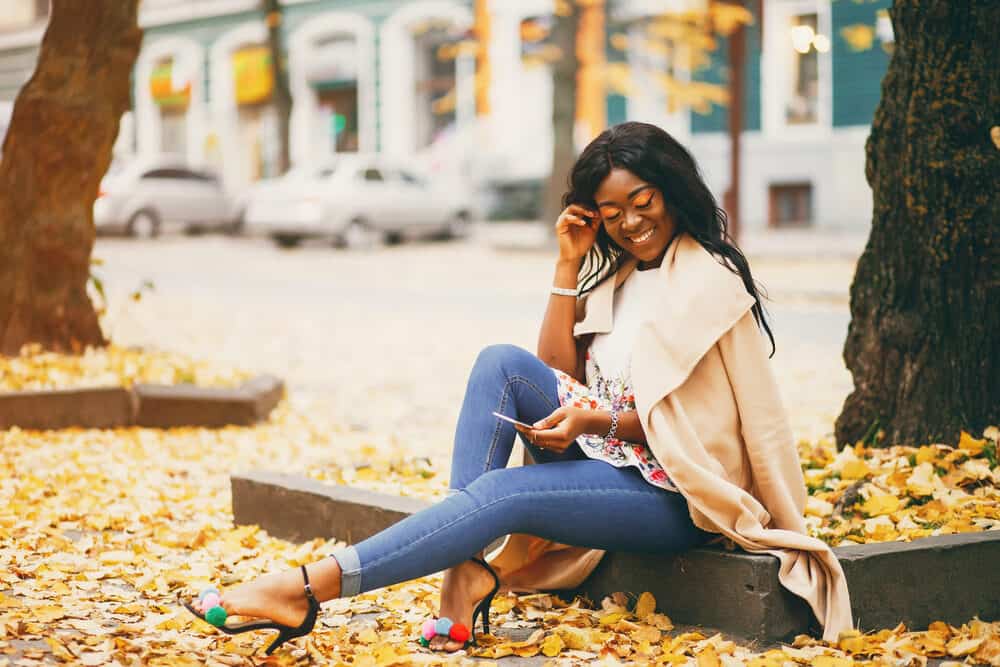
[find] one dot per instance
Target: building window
(803, 99)
(790, 205)
(435, 49)
(797, 69)
(333, 75)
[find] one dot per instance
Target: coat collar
(599, 316)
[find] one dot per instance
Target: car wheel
(287, 240)
(237, 226)
(144, 225)
(360, 235)
(458, 227)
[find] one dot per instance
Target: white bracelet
(563, 291)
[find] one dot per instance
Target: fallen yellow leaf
(645, 606)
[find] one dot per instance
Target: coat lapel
(599, 317)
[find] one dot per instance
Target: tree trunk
(564, 73)
(282, 93)
(58, 148)
(924, 340)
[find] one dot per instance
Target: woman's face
(634, 215)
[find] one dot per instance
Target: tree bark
(564, 85)
(924, 339)
(274, 17)
(58, 147)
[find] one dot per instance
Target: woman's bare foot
(280, 597)
(464, 587)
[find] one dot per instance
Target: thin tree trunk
(282, 93)
(57, 149)
(564, 84)
(924, 340)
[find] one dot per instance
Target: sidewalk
(798, 265)
(784, 244)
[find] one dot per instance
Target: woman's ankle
(325, 579)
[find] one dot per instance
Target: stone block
(950, 578)
(167, 406)
(104, 407)
(947, 578)
(709, 586)
(298, 508)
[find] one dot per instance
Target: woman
(650, 360)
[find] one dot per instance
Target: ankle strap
(308, 587)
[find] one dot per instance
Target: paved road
(384, 339)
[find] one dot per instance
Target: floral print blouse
(602, 394)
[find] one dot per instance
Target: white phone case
(512, 421)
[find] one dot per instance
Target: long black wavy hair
(657, 158)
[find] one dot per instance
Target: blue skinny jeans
(568, 498)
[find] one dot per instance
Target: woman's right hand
(576, 230)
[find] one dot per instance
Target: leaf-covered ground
(101, 529)
(112, 366)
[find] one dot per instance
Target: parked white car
(144, 195)
(357, 201)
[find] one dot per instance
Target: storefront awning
(161, 86)
(253, 77)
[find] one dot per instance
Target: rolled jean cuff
(350, 570)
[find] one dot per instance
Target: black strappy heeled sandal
(483, 608)
(285, 632)
(445, 627)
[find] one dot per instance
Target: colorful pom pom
(206, 591)
(216, 616)
(427, 631)
(210, 600)
(459, 633)
(424, 642)
(443, 626)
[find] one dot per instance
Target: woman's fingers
(552, 438)
(581, 211)
(548, 422)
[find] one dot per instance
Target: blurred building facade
(400, 77)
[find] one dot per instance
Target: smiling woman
(635, 216)
(653, 415)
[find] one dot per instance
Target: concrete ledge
(104, 407)
(166, 406)
(947, 578)
(731, 590)
(155, 406)
(950, 578)
(298, 509)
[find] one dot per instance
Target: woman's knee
(494, 490)
(503, 359)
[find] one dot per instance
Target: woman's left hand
(560, 429)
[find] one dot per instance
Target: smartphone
(512, 421)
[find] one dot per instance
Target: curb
(146, 405)
(734, 591)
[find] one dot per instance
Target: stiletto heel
(285, 632)
(483, 608)
(278, 641)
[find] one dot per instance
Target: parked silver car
(357, 201)
(143, 196)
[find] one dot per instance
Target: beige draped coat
(713, 417)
